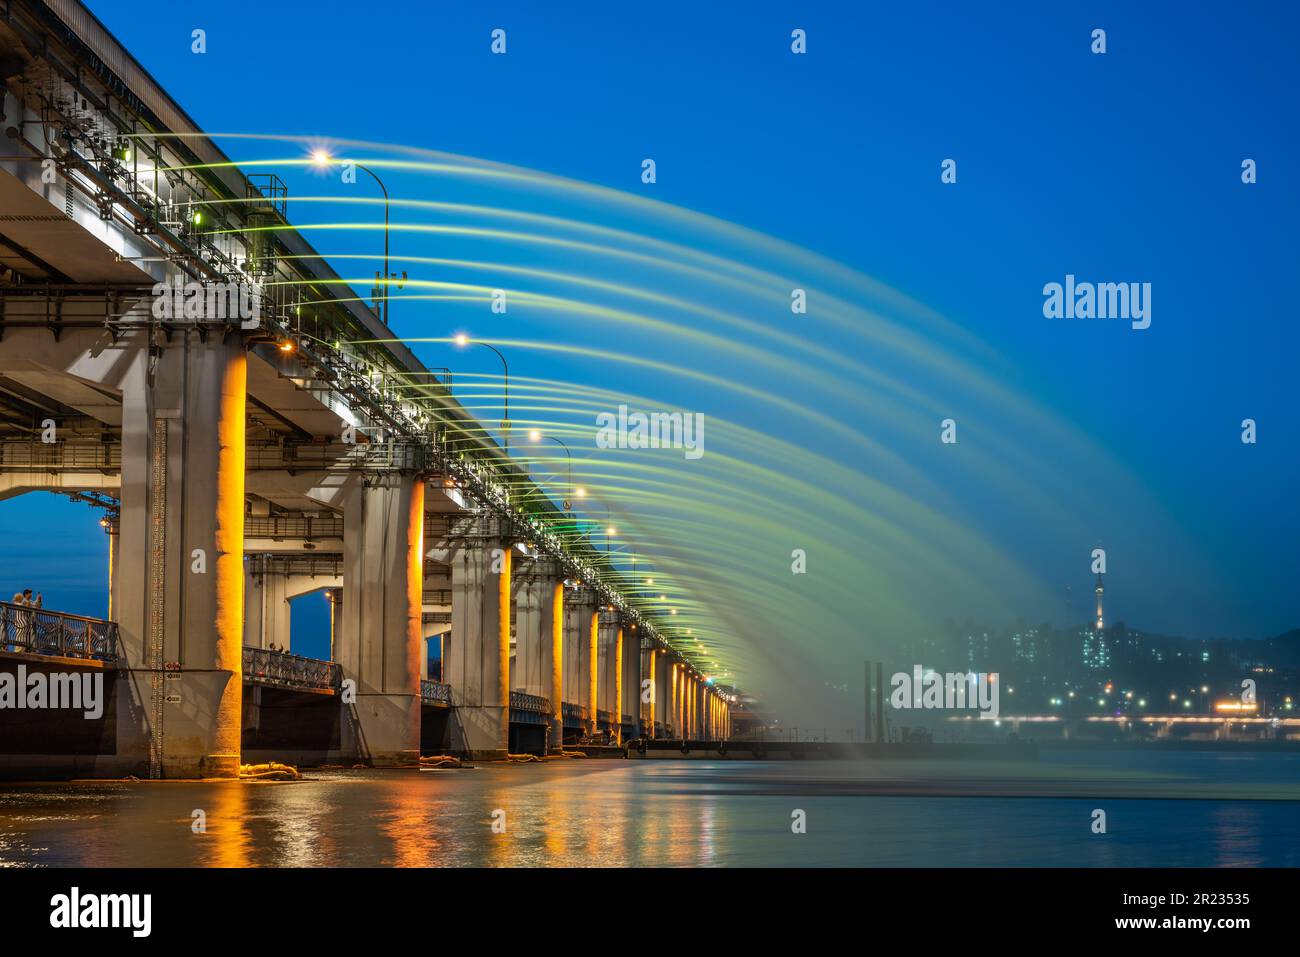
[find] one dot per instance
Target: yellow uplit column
(223, 760)
(592, 671)
(653, 693)
(503, 643)
(618, 687)
(690, 706)
(677, 699)
(557, 666)
(671, 717)
(695, 706)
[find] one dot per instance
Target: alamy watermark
(1103, 300)
(651, 430)
(952, 691)
(75, 909)
(207, 301)
(75, 691)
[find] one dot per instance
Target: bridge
(174, 351)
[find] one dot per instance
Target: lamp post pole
(322, 159)
(387, 275)
(568, 504)
(464, 340)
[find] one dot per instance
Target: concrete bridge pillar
(578, 611)
(696, 700)
(606, 662)
(622, 689)
(178, 581)
(580, 650)
(478, 659)
(531, 633)
(266, 608)
(114, 558)
(688, 702)
(650, 707)
(336, 620)
(674, 718)
(663, 689)
(553, 659)
(539, 622)
(631, 686)
(379, 644)
(692, 699)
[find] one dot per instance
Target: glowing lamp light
(320, 158)
(534, 435)
(288, 345)
(462, 339)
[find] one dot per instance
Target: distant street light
(535, 436)
(463, 340)
(321, 160)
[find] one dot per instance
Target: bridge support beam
(478, 661)
(650, 707)
(578, 613)
(266, 610)
(631, 682)
(379, 644)
(555, 664)
(606, 668)
(593, 671)
(179, 578)
(527, 673)
(620, 671)
(539, 603)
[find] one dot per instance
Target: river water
(1162, 809)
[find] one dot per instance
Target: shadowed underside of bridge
(249, 456)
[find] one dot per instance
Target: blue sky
(1122, 167)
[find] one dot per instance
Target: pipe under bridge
(173, 350)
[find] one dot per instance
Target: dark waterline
(1162, 810)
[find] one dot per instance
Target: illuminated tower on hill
(1101, 590)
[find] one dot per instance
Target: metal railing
(291, 671)
(43, 632)
(520, 701)
(435, 692)
(576, 712)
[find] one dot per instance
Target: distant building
(1096, 649)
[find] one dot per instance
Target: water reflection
(668, 813)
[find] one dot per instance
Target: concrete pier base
(379, 647)
(478, 661)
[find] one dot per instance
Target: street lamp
(322, 159)
(535, 436)
(463, 340)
